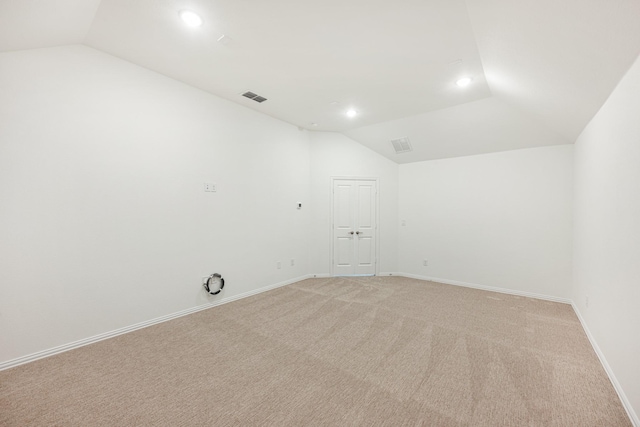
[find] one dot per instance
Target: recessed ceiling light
(464, 81)
(352, 113)
(190, 18)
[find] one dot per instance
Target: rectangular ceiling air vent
(401, 145)
(254, 96)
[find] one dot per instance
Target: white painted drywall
(104, 222)
(607, 232)
(501, 220)
(334, 154)
(479, 127)
(103, 219)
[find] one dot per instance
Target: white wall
(103, 219)
(104, 222)
(334, 154)
(498, 220)
(607, 232)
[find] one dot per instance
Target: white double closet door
(354, 227)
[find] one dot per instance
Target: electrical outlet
(293, 262)
(209, 187)
(278, 265)
(425, 262)
(404, 222)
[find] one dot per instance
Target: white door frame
(377, 211)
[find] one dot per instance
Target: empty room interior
(241, 212)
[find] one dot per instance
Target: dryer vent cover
(214, 284)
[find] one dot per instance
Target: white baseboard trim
(487, 288)
(86, 341)
(614, 381)
(80, 343)
(319, 276)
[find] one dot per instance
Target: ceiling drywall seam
(554, 62)
(93, 19)
(475, 39)
(533, 116)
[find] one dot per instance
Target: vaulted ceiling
(540, 69)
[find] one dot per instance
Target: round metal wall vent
(214, 284)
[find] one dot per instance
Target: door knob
(357, 232)
(351, 232)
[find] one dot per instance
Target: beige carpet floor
(381, 351)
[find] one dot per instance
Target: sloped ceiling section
(550, 66)
(559, 60)
(312, 60)
(540, 69)
(478, 127)
(28, 24)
